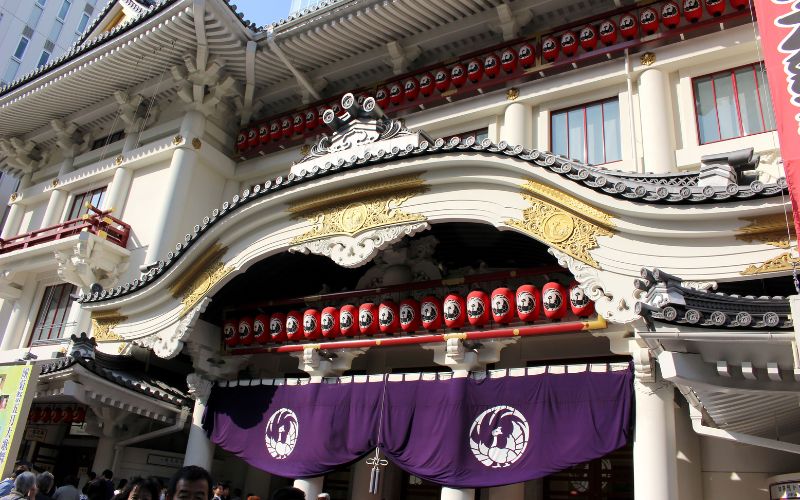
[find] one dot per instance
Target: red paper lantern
(478, 308)
(261, 329)
(508, 60)
(474, 70)
(550, 49)
(47, 415)
(411, 89)
(334, 106)
(454, 311)
(368, 318)
(79, 415)
(529, 304)
(715, 7)
(294, 325)
(275, 130)
(246, 330)
(431, 313)
(441, 79)
(579, 302)
(35, 414)
(298, 123)
(263, 133)
(628, 26)
(648, 19)
(670, 15)
(395, 93)
(348, 320)
(426, 85)
(458, 75)
(554, 300)
(277, 327)
(329, 323)
(588, 38)
(69, 414)
(230, 331)
(252, 137)
(569, 43)
(608, 32)
(382, 97)
(491, 65)
(527, 55)
(503, 305)
(312, 324)
(410, 320)
(286, 127)
(388, 317)
(739, 4)
(692, 10)
(360, 99)
(241, 140)
(58, 415)
(311, 119)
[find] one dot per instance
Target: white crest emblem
(281, 433)
(499, 436)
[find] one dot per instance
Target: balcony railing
(98, 222)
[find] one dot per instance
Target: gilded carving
(769, 229)
(783, 262)
(570, 203)
(202, 275)
(648, 58)
(103, 324)
(197, 143)
(512, 94)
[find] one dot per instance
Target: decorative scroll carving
(769, 229)
(89, 261)
(783, 262)
(201, 277)
(103, 324)
(168, 343)
(199, 387)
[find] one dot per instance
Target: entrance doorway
(606, 478)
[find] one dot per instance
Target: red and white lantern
(508, 60)
(298, 123)
(411, 89)
(608, 32)
(396, 93)
(527, 55)
(329, 323)
(246, 330)
(454, 310)
(368, 318)
(69, 414)
(261, 329)
(388, 317)
(588, 38)
(692, 10)
(410, 320)
(275, 130)
(441, 79)
(252, 137)
(503, 305)
(230, 332)
(569, 43)
(529, 303)
(79, 415)
(554, 300)
(491, 65)
(312, 324)
(715, 7)
(287, 127)
(739, 4)
(426, 85)
(263, 133)
(478, 308)
(431, 313)
(382, 97)
(550, 49)
(58, 415)
(458, 75)
(648, 19)
(241, 140)
(35, 414)
(474, 70)
(294, 325)
(348, 320)
(579, 302)
(277, 327)
(628, 26)
(311, 119)
(670, 15)
(47, 414)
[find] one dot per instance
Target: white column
(104, 455)
(517, 125)
(58, 197)
(654, 465)
(16, 211)
(118, 191)
(655, 115)
(78, 320)
(457, 494)
(199, 449)
(18, 319)
(311, 486)
(514, 491)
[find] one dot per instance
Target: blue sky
(263, 12)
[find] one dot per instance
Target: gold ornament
(13, 197)
(648, 58)
(103, 324)
(768, 229)
(201, 276)
(54, 183)
(118, 160)
(177, 139)
(512, 94)
(196, 143)
(783, 262)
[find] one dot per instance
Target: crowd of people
(189, 483)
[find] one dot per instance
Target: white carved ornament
(168, 342)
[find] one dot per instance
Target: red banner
(779, 26)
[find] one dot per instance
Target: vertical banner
(17, 387)
(778, 25)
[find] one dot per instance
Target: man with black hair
(288, 493)
(190, 483)
(69, 490)
(102, 488)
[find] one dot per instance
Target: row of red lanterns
(57, 414)
(431, 313)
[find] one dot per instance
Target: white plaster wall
(689, 456)
(32, 220)
(205, 191)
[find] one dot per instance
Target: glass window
(733, 103)
(79, 203)
(11, 71)
(83, 23)
(41, 2)
(55, 32)
(62, 13)
(21, 46)
(588, 133)
(53, 312)
(479, 135)
(43, 58)
(36, 14)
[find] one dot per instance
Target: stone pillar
(104, 455)
(514, 491)
(311, 486)
(655, 111)
(457, 494)
(16, 211)
(18, 318)
(517, 125)
(199, 449)
(654, 465)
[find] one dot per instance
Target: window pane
(97, 198)
(749, 108)
(56, 31)
(611, 129)
(83, 23)
(53, 312)
(43, 58)
(33, 19)
(706, 113)
(64, 9)
(41, 2)
(481, 135)
(23, 44)
(576, 134)
(11, 71)
(726, 107)
(594, 133)
(766, 99)
(558, 134)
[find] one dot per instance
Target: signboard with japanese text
(17, 387)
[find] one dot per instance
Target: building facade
(477, 249)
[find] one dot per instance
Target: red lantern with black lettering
(263, 133)
(648, 19)
(58, 415)
(79, 415)
(739, 4)
(608, 32)
(312, 328)
(491, 65)
(294, 325)
(348, 320)
(382, 97)
(527, 55)
(246, 330)
(715, 7)
(287, 127)
(454, 310)
(411, 89)
(508, 60)
(275, 130)
(388, 317)
(670, 15)
(503, 305)
(569, 43)
(410, 320)
(692, 10)
(431, 313)
(241, 140)
(529, 303)
(550, 49)
(426, 85)
(588, 38)
(579, 302)
(47, 414)
(230, 332)
(311, 119)
(628, 26)
(277, 327)
(395, 93)
(298, 123)
(252, 137)
(474, 70)
(261, 329)
(458, 75)
(478, 308)
(441, 79)
(329, 323)
(35, 415)
(368, 318)
(69, 414)
(554, 300)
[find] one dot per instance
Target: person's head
(219, 489)
(141, 489)
(25, 483)
(226, 490)
(288, 493)
(92, 475)
(190, 483)
(44, 482)
(108, 474)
